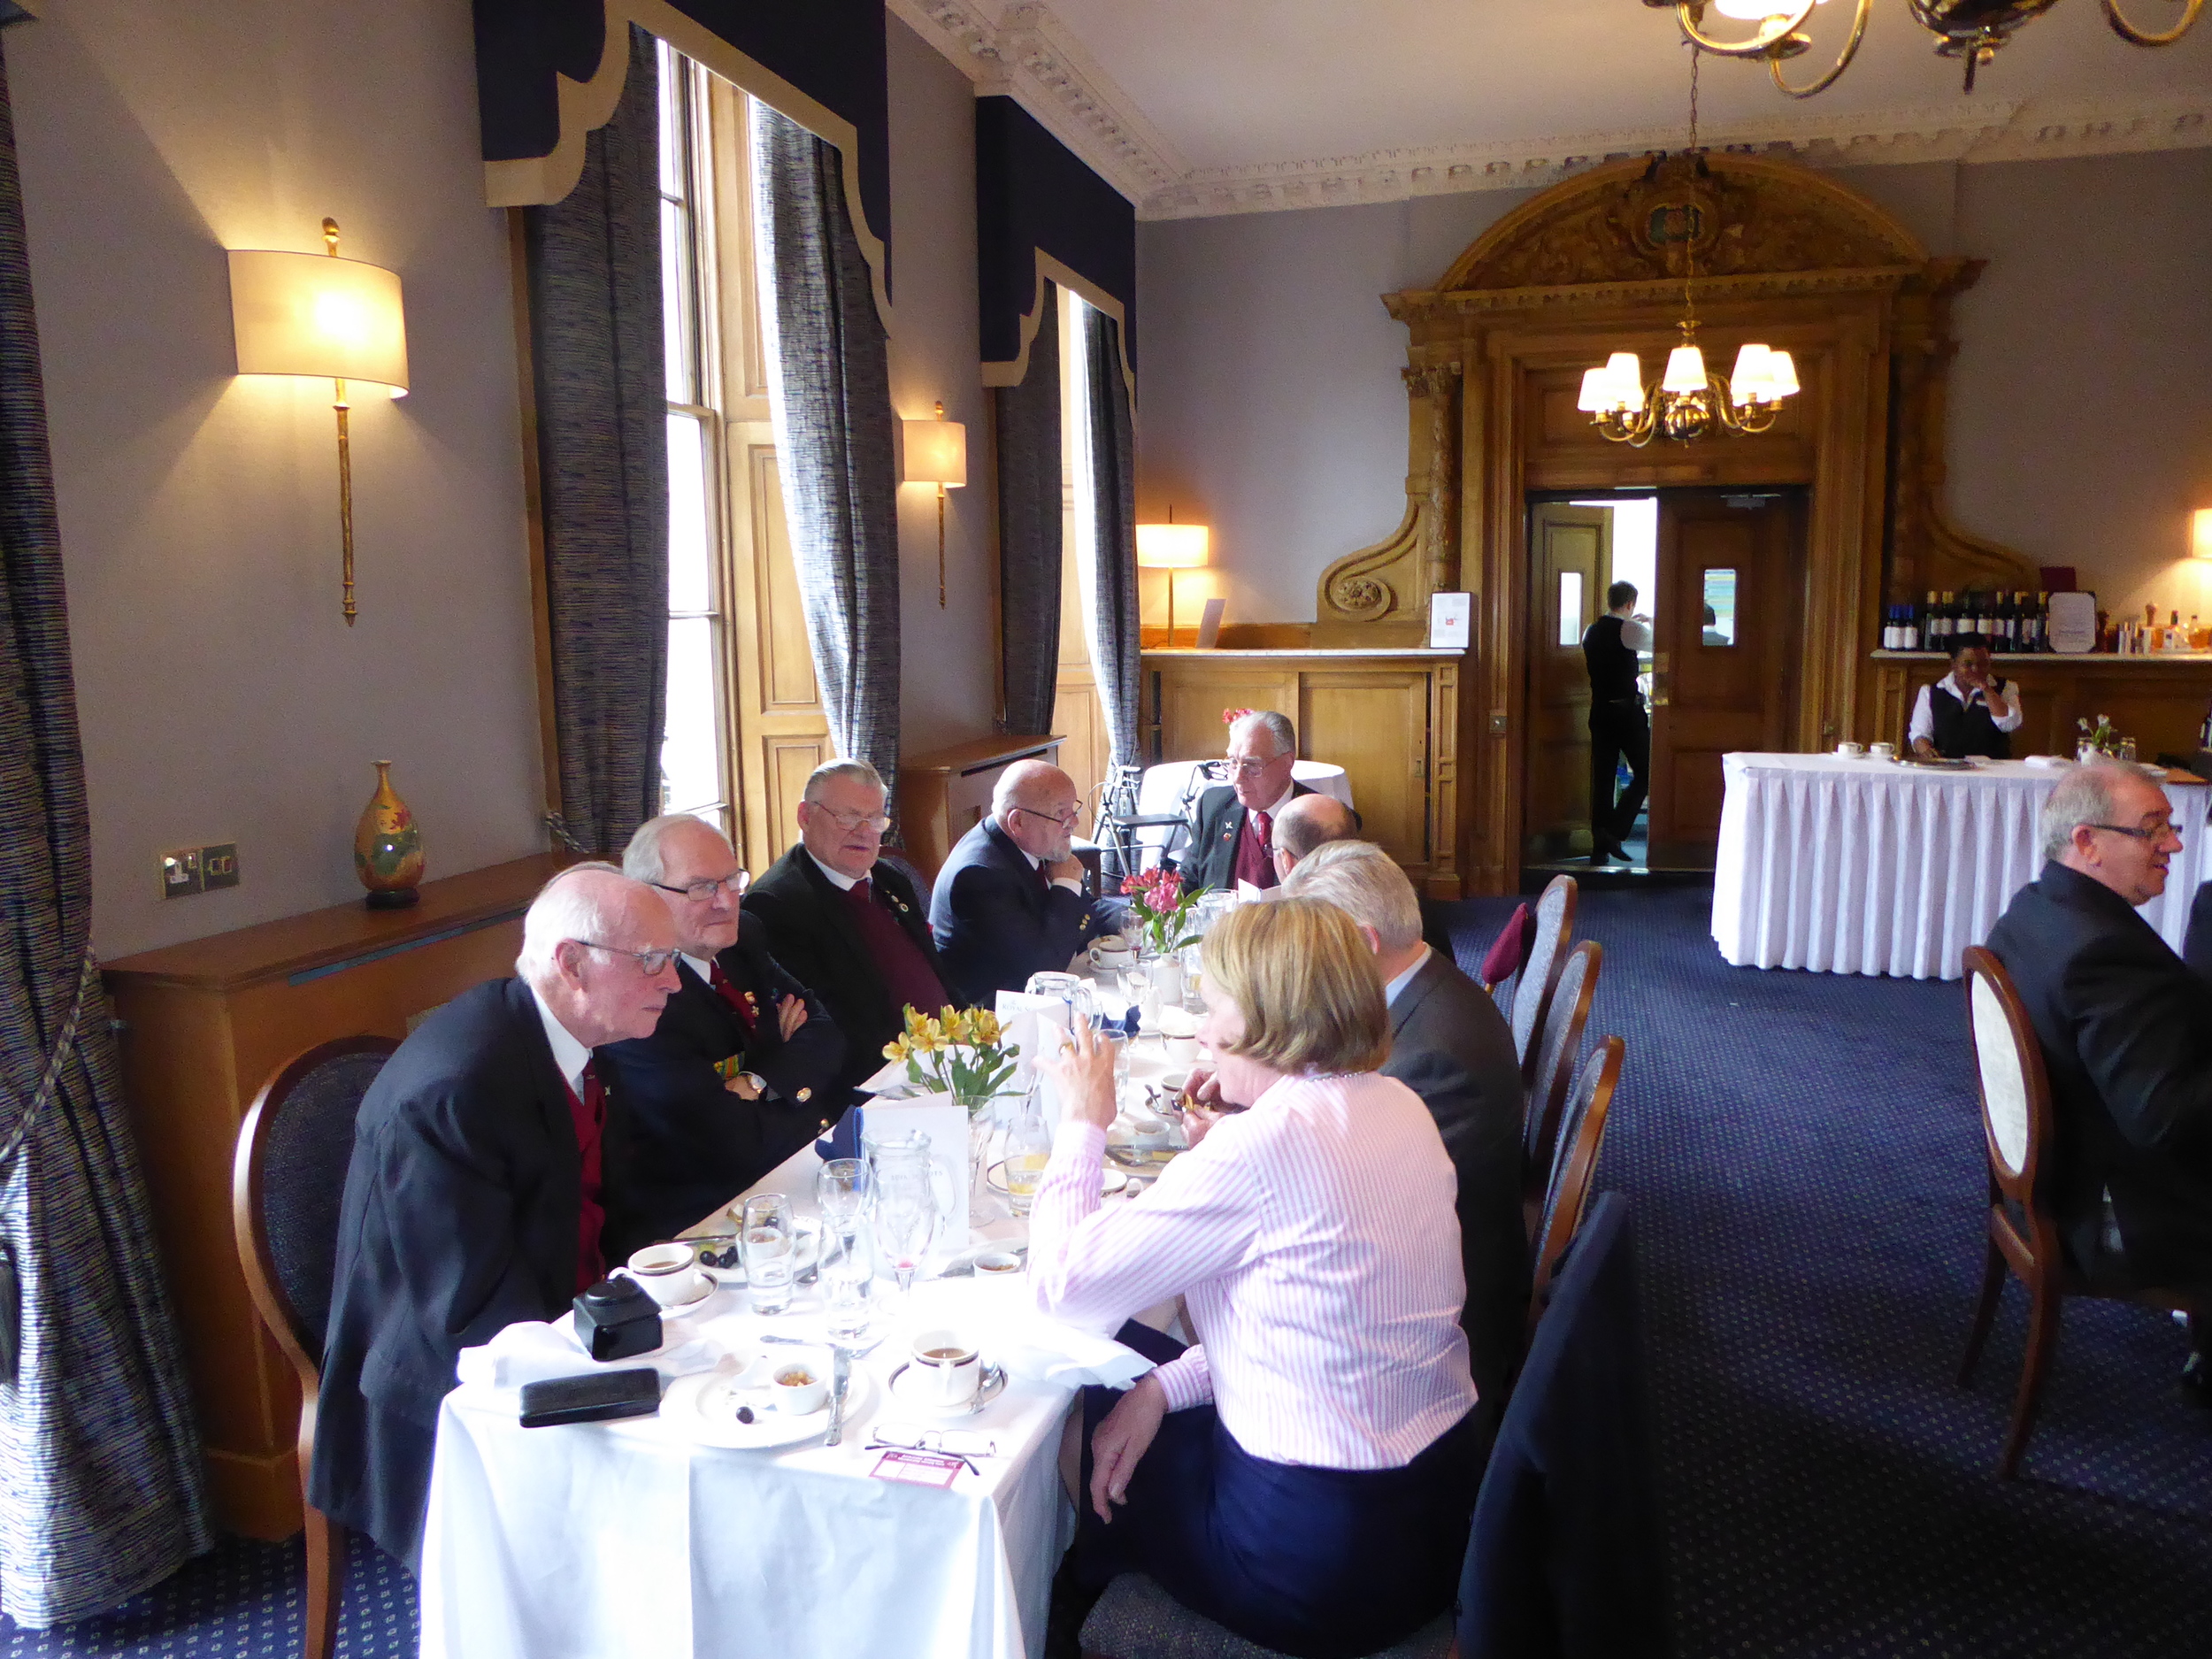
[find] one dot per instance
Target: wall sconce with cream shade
(1172, 547)
(936, 453)
(2200, 533)
(318, 317)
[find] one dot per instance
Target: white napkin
(537, 1351)
(1036, 1348)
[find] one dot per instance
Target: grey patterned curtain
(1114, 503)
(1027, 419)
(831, 396)
(101, 1489)
(594, 277)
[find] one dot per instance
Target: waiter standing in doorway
(1618, 725)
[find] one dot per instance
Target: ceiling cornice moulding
(1025, 51)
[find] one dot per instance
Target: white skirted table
(1869, 866)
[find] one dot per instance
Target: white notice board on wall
(1451, 620)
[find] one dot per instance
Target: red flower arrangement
(1161, 907)
(1229, 717)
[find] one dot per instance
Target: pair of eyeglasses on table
(965, 1444)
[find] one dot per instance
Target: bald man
(1010, 900)
(1308, 822)
(474, 1198)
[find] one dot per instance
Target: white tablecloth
(1867, 866)
(1163, 787)
(624, 1537)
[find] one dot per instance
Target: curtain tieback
(88, 976)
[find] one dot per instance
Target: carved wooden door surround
(1495, 353)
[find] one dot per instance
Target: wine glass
(841, 1192)
(904, 1199)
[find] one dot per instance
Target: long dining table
(637, 1537)
(1857, 866)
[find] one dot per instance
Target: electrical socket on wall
(190, 870)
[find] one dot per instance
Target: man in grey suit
(1451, 1047)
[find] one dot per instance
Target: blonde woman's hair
(1307, 985)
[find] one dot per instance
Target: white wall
(221, 695)
(2081, 414)
(948, 675)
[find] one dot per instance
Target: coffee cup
(798, 1386)
(1111, 951)
(946, 1368)
(1850, 750)
(669, 1273)
(1883, 751)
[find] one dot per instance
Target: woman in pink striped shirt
(1303, 1473)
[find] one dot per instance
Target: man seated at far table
(1010, 900)
(741, 1071)
(2126, 1033)
(1231, 828)
(845, 924)
(474, 1198)
(1969, 711)
(1451, 1046)
(1309, 822)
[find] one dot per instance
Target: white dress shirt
(2005, 712)
(1391, 990)
(1635, 632)
(1315, 1242)
(838, 879)
(1035, 863)
(570, 1056)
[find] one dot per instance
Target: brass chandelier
(1970, 30)
(1689, 402)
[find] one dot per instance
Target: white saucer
(994, 1385)
(1110, 1180)
(703, 1407)
(676, 1309)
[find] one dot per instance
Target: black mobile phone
(597, 1398)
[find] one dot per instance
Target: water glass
(847, 1268)
(841, 1192)
(769, 1245)
(1028, 1150)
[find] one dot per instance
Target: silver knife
(841, 1376)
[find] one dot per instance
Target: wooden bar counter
(2159, 700)
(205, 1023)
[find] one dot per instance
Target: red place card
(922, 1469)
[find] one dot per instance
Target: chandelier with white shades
(1970, 30)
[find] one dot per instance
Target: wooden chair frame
(1551, 978)
(2028, 1247)
(1547, 1096)
(1574, 1175)
(326, 1539)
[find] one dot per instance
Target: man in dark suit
(475, 1197)
(1010, 900)
(845, 924)
(1451, 1047)
(2126, 1033)
(1232, 829)
(743, 1069)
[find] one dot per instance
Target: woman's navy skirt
(1319, 1564)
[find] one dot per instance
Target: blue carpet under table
(1805, 1157)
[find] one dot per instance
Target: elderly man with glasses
(1232, 831)
(476, 1196)
(2126, 1033)
(741, 1071)
(1010, 900)
(845, 922)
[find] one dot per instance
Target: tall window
(693, 764)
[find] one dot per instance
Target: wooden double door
(1724, 599)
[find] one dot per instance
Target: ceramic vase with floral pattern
(388, 847)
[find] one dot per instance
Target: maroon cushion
(1509, 952)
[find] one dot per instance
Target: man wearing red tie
(1232, 835)
(1010, 900)
(741, 1071)
(478, 1186)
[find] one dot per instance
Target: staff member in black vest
(1969, 711)
(1619, 727)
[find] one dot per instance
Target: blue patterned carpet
(1805, 1161)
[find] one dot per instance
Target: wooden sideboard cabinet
(205, 1023)
(1390, 718)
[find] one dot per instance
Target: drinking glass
(847, 1268)
(841, 1192)
(770, 1244)
(1028, 1150)
(904, 1202)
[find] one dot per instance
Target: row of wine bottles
(2010, 622)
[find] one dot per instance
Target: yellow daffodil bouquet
(961, 1052)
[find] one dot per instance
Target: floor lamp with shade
(1171, 547)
